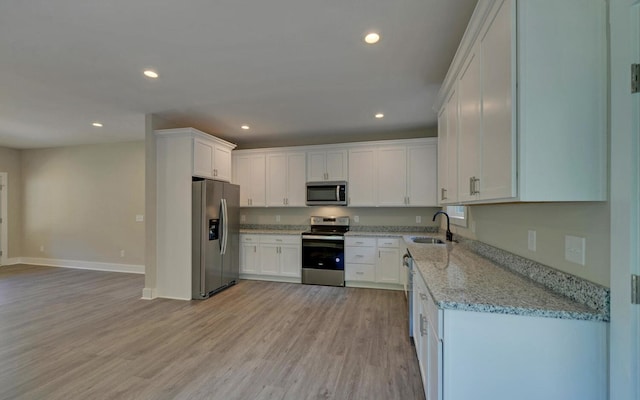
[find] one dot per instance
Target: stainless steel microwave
(332, 193)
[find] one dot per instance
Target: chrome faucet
(449, 234)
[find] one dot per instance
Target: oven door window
(322, 254)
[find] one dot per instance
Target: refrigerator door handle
(203, 202)
(225, 226)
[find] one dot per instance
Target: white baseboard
(76, 264)
(12, 261)
(149, 293)
(270, 278)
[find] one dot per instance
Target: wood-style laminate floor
(74, 334)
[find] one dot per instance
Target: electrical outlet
(277, 218)
(139, 218)
(532, 240)
(121, 253)
(243, 218)
(418, 219)
(356, 218)
(574, 249)
(41, 248)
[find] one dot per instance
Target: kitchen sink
(426, 240)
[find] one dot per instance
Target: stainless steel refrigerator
(215, 236)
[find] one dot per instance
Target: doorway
(624, 369)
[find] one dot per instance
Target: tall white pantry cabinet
(181, 155)
(522, 111)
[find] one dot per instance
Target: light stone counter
(271, 232)
(459, 279)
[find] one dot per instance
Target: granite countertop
(244, 231)
(459, 279)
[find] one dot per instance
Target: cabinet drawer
(359, 241)
(388, 242)
(360, 272)
(360, 255)
(281, 239)
(249, 238)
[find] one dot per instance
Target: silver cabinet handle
(476, 185)
(423, 330)
(471, 185)
(443, 194)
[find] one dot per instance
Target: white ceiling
(293, 69)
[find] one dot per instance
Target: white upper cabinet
(249, 172)
(393, 173)
(407, 174)
(469, 123)
(362, 176)
(211, 156)
(392, 176)
(422, 175)
(448, 151)
(286, 179)
(327, 165)
(530, 83)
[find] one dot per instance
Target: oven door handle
(337, 238)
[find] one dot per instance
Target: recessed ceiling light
(245, 127)
(150, 73)
(372, 38)
(97, 124)
(379, 115)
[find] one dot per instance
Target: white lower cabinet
(480, 355)
(249, 260)
(271, 257)
(371, 262)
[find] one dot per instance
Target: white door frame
(624, 349)
(4, 232)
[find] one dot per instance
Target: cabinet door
(388, 265)
(269, 259)
(296, 179)
(434, 365)
(451, 150)
(469, 98)
(250, 175)
(290, 261)
(392, 176)
(442, 156)
(362, 177)
(422, 175)
(316, 166)
(276, 179)
(249, 259)
(242, 174)
(336, 165)
(498, 131)
(222, 163)
(203, 153)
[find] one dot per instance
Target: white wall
(80, 203)
(10, 163)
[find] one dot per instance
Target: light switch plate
(243, 218)
(418, 219)
(574, 249)
(277, 218)
(356, 218)
(532, 240)
(139, 218)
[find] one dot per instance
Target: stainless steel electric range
(323, 251)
